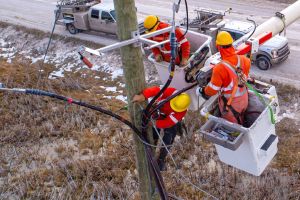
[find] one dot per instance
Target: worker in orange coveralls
(228, 78)
(152, 23)
(168, 118)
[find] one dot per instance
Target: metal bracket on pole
(136, 40)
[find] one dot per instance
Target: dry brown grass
(52, 150)
(99, 163)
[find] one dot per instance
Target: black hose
(187, 18)
(83, 104)
(253, 29)
(153, 164)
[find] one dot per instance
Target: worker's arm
(156, 52)
(184, 44)
(247, 65)
(151, 92)
(147, 93)
(170, 120)
(215, 83)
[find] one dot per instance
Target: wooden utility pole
(135, 82)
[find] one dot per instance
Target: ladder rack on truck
(77, 2)
(73, 6)
(205, 19)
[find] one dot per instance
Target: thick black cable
(152, 163)
(187, 18)
(173, 44)
(83, 104)
(253, 31)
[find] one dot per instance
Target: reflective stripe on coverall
(223, 81)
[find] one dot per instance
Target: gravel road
(39, 14)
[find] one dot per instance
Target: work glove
(251, 80)
(184, 62)
(158, 58)
(201, 92)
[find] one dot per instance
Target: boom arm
(264, 32)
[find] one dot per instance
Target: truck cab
(272, 52)
(102, 17)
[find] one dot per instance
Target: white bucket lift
(197, 41)
(254, 148)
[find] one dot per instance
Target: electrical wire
(253, 31)
(57, 14)
(187, 18)
(153, 164)
(173, 44)
(176, 166)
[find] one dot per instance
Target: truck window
(95, 14)
(106, 16)
(235, 35)
(113, 14)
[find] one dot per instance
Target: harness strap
(235, 113)
(238, 82)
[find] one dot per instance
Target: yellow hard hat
(224, 38)
(181, 102)
(151, 23)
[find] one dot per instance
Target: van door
(94, 19)
(108, 22)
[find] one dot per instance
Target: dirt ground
(53, 150)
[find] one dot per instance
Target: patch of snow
(56, 74)
(111, 89)
(287, 114)
(96, 68)
(61, 54)
(116, 73)
(122, 98)
(34, 59)
(122, 85)
(108, 97)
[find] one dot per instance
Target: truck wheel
(263, 63)
(72, 29)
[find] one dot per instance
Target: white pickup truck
(274, 51)
(87, 16)
(210, 22)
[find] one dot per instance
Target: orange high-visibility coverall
(224, 79)
(165, 51)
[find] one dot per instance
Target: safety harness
(237, 85)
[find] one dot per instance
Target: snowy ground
(65, 58)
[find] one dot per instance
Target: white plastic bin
(259, 144)
(197, 41)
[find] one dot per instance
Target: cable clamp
(282, 17)
(136, 35)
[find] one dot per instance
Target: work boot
(161, 164)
